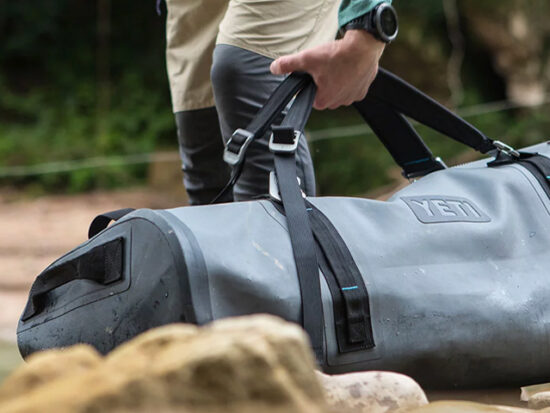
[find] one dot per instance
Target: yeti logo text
(433, 208)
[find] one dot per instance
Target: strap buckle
(506, 149)
(284, 139)
(236, 146)
(440, 162)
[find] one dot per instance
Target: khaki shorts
(271, 28)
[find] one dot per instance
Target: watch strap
(365, 22)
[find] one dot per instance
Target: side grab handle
(102, 264)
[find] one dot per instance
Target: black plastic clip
(236, 147)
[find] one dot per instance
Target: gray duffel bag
(446, 281)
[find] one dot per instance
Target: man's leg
(251, 35)
(191, 30)
(201, 151)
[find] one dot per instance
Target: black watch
(381, 22)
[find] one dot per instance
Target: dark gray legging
(242, 82)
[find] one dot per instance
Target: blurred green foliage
(51, 87)
(72, 89)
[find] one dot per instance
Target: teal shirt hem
(352, 9)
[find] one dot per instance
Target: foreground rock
(469, 407)
(46, 367)
(238, 365)
(537, 396)
(249, 364)
(372, 392)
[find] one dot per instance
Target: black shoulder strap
(537, 164)
(411, 102)
(388, 99)
(399, 137)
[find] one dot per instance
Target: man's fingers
(319, 105)
(283, 65)
(288, 64)
(320, 102)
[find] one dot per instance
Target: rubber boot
(201, 150)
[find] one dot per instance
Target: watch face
(388, 22)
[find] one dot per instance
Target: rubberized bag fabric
(453, 271)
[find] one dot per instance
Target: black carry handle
(400, 138)
(388, 99)
(301, 108)
(102, 264)
(411, 102)
(277, 102)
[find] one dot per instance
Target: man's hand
(343, 70)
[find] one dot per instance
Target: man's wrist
(361, 39)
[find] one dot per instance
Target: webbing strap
(340, 283)
(278, 101)
(399, 137)
(102, 264)
(301, 237)
(410, 101)
(537, 164)
(541, 164)
(354, 331)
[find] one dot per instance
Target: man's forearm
(352, 9)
